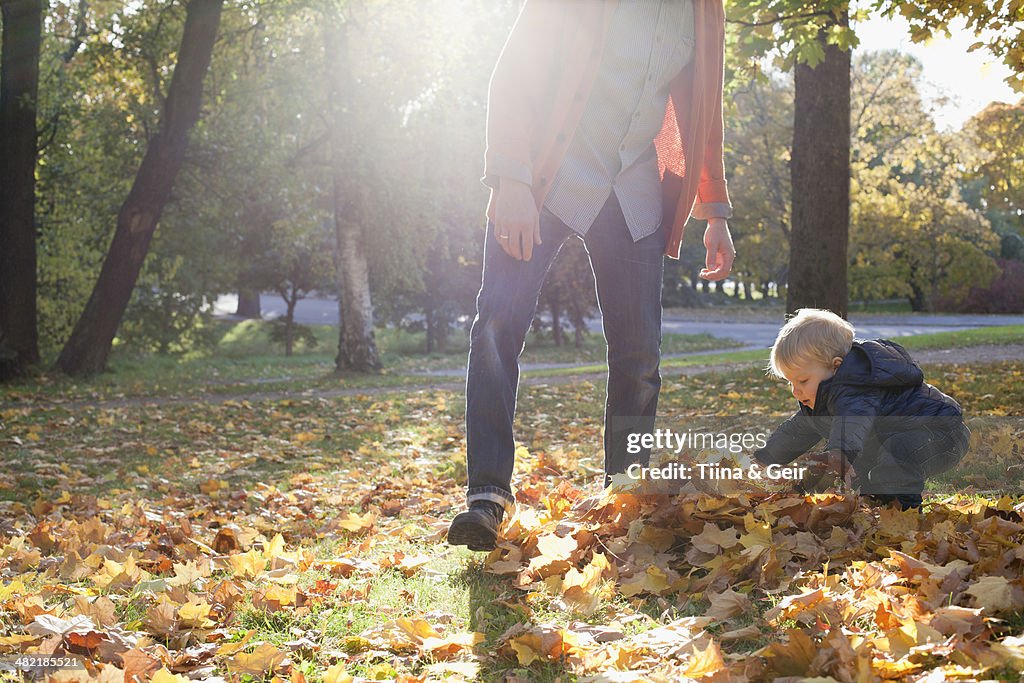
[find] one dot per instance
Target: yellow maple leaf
(705, 662)
(416, 629)
(232, 648)
(451, 646)
(165, 676)
(357, 524)
(653, 580)
(264, 659)
(248, 564)
(195, 613)
(336, 674)
(15, 587)
(275, 548)
(524, 652)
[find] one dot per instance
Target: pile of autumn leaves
(786, 585)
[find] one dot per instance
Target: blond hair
(812, 335)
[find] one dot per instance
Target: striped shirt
(648, 43)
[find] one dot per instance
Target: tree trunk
(19, 87)
(428, 319)
(289, 324)
(357, 349)
(88, 348)
(556, 320)
(820, 171)
(248, 304)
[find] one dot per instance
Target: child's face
(804, 379)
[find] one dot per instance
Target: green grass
(245, 361)
(403, 351)
(1005, 334)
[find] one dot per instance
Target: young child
(868, 399)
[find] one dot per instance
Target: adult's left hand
(721, 252)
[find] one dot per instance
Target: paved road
(751, 333)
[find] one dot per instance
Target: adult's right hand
(516, 220)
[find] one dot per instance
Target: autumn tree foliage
(808, 37)
(87, 349)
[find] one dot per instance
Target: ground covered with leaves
(303, 539)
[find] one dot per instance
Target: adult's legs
(506, 305)
(628, 276)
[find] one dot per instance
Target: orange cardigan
(543, 79)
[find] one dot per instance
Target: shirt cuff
(498, 167)
(704, 211)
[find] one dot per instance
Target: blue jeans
(628, 276)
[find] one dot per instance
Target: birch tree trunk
(357, 348)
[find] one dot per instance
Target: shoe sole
(471, 536)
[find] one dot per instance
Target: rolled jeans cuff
(493, 494)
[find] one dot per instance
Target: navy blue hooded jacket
(877, 392)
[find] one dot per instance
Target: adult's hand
(721, 252)
(516, 221)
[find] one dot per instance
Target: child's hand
(831, 462)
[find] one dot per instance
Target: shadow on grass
(493, 612)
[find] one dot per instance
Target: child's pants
(897, 468)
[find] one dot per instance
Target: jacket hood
(879, 363)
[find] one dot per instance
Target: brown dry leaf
(792, 658)
(416, 629)
(727, 604)
(997, 594)
(804, 607)
(962, 621)
(746, 632)
(138, 663)
(705, 662)
(713, 540)
(162, 618)
(101, 609)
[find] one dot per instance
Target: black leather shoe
(477, 528)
